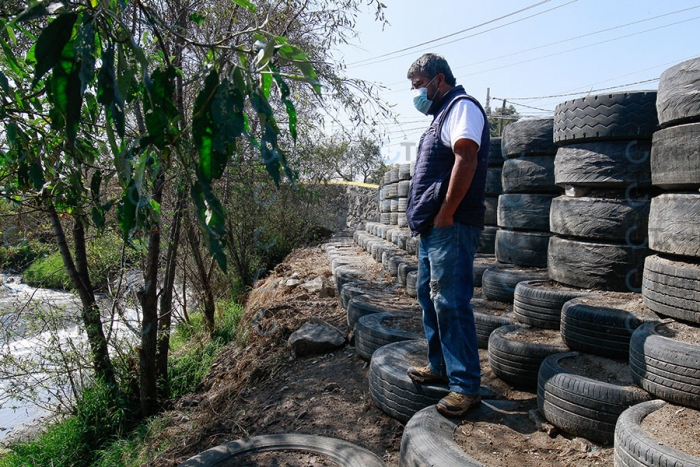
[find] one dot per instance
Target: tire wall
(672, 276)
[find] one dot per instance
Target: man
(446, 207)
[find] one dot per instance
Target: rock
(315, 337)
(292, 282)
(313, 286)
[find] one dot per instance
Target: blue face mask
(420, 98)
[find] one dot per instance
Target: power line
(578, 93)
(450, 35)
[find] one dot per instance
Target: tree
(500, 118)
(124, 106)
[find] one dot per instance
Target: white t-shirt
(464, 120)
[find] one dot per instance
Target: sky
(533, 53)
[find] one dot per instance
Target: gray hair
(431, 65)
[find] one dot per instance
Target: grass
(96, 435)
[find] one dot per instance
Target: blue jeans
(445, 287)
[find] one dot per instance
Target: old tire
(487, 240)
(618, 219)
(616, 116)
(529, 137)
(580, 405)
(525, 249)
(539, 303)
(482, 263)
(602, 266)
(493, 181)
(667, 368)
(675, 157)
(491, 213)
(672, 287)
(529, 174)
(343, 453)
(495, 155)
(674, 224)
(677, 101)
(604, 164)
(601, 326)
(516, 362)
(524, 211)
(486, 321)
(371, 332)
(364, 305)
(498, 282)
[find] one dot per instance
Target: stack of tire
(672, 274)
(494, 188)
(528, 190)
(600, 224)
(384, 199)
(403, 186)
(391, 179)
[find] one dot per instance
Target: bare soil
(280, 459)
(536, 336)
(257, 386)
(680, 332)
(676, 427)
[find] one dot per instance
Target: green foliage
(48, 272)
(18, 257)
(193, 350)
(136, 449)
(500, 118)
(72, 441)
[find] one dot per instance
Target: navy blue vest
(434, 165)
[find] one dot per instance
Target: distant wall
(347, 206)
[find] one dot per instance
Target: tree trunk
(166, 297)
(78, 273)
(203, 278)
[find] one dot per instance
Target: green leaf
(86, 52)
(266, 84)
(65, 93)
(36, 174)
(98, 217)
(227, 115)
(284, 95)
(211, 219)
(161, 112)
(212, 161)
(11, 59)
(245, 4)
(95, 184)
(127, 210)
(4, 84)
(108, 91)
(51, 42)
(290, 54)
(197, 18)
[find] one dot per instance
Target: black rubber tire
(404, 269)
(394, 218)
(616, 116)
(529, 137)
(411, 279)
(601, 266)
(355, 289)
(493, 181)
(520, 248)
(403, 203)
(674, 224)
(491, 213)
(597, 329)
(481, 263)
(385, 218)
(487, 240)
(405, 171)
(364, 305)
(677, 101)
(371, 333)
(389, 385)
(580, 405)
(516, 362)
(391, 191)
(341, 452)
(613, 219)
(635, 448)
(672, 288)
(498, 282)
(393, 174)
(428, 441)
(412, 245)
(604, 164)
(344, 274)
(486, 322)
(538, 303)
(529, 174)
(402, 189)
(396, 260)
(524, 211)
(667, 368)
(675, 157)
(495, 155)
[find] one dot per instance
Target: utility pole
(488, 102)
(500, 119)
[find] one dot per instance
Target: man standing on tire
(446, 207)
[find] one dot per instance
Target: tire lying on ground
(404, 269)
(489, 315)
(481, 263)
(667, 367)
(411, 279)
(529, 174)
(539, 303)
(493, 182)
(521, 248)
(675, 157)
(428, 440)
(525, 211)
(602, 324)
(342, 453)
(515, 357)
(584, 395)
(495, 154)
(487, 240)
(672, 287)
(379, 329)
(604, 164)
(491, 213)
(604, 218)
(353, 289)
(590, 265)
(363, 305)
(498, 282)
(674, 224)
(615, 116)
(528, 137)
(679, 86)
(348, 274)
(635, 447)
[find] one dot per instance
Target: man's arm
(461, 179)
